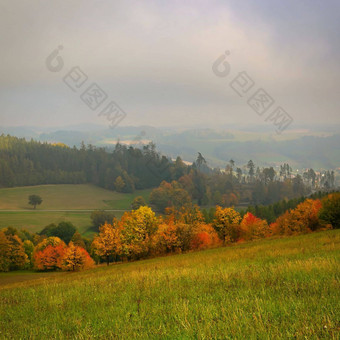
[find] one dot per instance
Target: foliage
(64, 230)
(48, 254)
(169, 195)
(76, 258)
(78, 240)
(5, 251)
(137, 228)
(302, 219)
(108, 242)
(12, 251)
(31, 163)
(166, 239)
(50, 258)
(29, 249)
(204, 236)
(226, 223)
(100, 217)
(330, 211)
(137, 203)
(253, 227)
(34, 200)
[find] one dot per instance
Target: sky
(158, 61)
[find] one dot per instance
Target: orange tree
(253, 227)
(302, 219)
(76, 258)
(49, 253)
(108, 242)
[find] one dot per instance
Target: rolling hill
(70, 202)
(268, 289)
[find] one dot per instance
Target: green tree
(100, 217)
(64, 230)
(78, 240)
(138, 202)
(330, 211)
(34, 200)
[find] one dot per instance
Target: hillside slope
(270, 289)
(61, 202)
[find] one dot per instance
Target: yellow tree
(108, 242)
(137, 228)
(227, 224)
(17, 257)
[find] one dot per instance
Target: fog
(155, 61)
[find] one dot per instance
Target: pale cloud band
(155, 59)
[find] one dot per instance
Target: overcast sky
(154, 59)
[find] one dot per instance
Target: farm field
(62, 202)
(269, 289)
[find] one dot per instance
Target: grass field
(82, 198)
(67, 196)
(270, 289)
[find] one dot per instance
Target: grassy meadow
(269, 289)
(58, 200)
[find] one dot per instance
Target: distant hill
(302, 148)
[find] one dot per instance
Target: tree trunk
(107, 259)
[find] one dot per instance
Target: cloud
(155, 59)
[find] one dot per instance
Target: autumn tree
(49, 253)
(227, 224)
(253, 227)
(137, 228)
(302, 219)
(12, 251)
(204, 236)
(108, 242)
(34, 200)
(5, 250)
(169, 195)
(29, 248)
(76, 258)
(166, 239)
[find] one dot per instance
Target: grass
(67, 196)
(81, 198)
(270, 289)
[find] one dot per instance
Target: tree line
(140, 233)
(128, 168)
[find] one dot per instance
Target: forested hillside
(125, 169)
